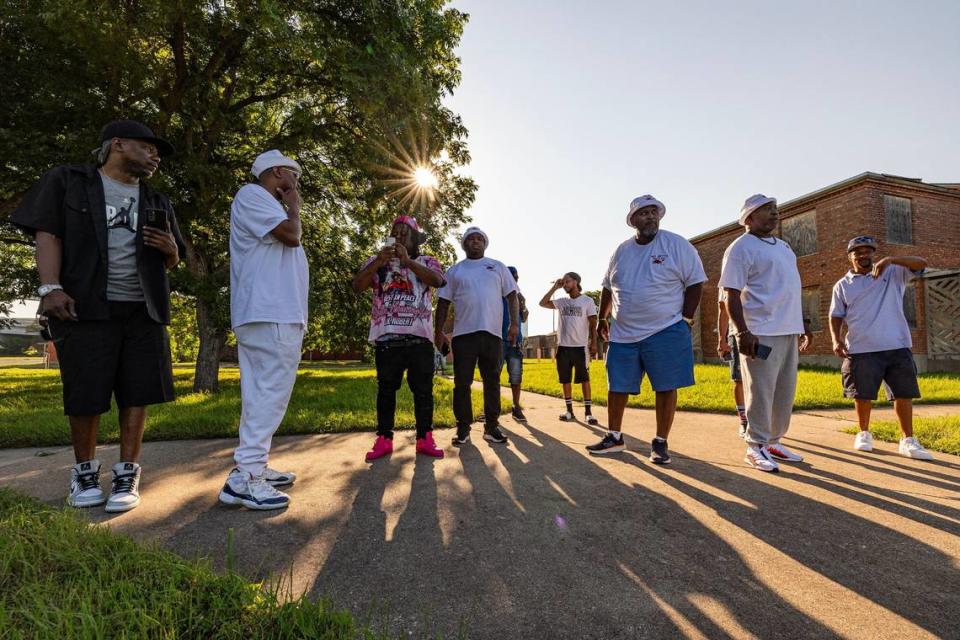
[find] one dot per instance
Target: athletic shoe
(780, 452)
(609, 444)
(517, 414)
(85, 488)
(252, 492)
(462, 437)
(567, 416)
(125, 494)
(493, 434)
(591, 420)
(910, 448)
(743, 431)
(279, 478)
(863, 441)
(659, 454)
(759, 458)
(382, 446)
(427, 447)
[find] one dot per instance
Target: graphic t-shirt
(574, 329)
(647, 283)
(122, 209)
(475, 287)
(873, 309)
(766, 276)
(268, 280)
(402, 303)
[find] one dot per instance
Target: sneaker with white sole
(125, 494)
(567, 416)
(759, 458)
(279, 478)
(863, 441)
(910, 448)
(742, 432)
(494, 434)
(252, 492)
(85, 488)
(592, 421)
(609, 444)
(780, 452)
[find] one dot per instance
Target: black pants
(393, 358)
(469, 351)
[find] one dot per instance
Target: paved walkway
(539, 540)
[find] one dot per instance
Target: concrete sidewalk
(539, 540)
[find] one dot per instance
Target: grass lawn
(62, 578)
(817, 388)
(941, 433)
(326, 399)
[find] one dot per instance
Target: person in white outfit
(269, 280)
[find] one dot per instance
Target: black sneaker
(493, 434)
(609, 444)
(659, 455)
(462, 437)
(591, 420)
(517, 414)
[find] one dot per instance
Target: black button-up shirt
(68, 202)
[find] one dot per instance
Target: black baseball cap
(136, 131)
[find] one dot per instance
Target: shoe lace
(124, 483)
(88, 481)
(609, 438)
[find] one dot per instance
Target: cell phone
(389, 242)
(727, 356)
(763, 351)
(156, 219)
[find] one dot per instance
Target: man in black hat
(105, 241)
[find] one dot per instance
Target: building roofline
(867, 176)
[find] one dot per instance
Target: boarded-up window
(800, 232)
(899, 217)
(811, 307)
(910, 305)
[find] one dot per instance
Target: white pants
(269, 357)
(769, 387)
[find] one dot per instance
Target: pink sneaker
(383, 446)
(426, 446)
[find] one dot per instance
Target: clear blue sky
(574, 108)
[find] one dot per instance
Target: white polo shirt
(476, 289)
(873, 309)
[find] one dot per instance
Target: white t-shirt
(873, 309)
(647, 283)
(769, 283)
(574, 329)
(476, 288)
(268, 280)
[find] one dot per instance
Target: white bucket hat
(645, 201)
(753, 203)
(469, 232)
(271, 159)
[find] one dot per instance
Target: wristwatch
(689, 321)
(46, 289)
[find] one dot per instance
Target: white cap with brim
(753, 203)
(644, 201)
(469, 232)
(271, 159)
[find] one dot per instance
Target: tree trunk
(206, 377)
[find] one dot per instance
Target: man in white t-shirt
(652, 288)
(762, 285)
(576, 338)
(268, 310)
(476, 286)
(869, 300)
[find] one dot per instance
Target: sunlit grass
(940, 433)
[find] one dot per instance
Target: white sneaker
(279, 478)
(125, 494)
(780, 452)
(253, 492)
(591, 420)
(863, 441)
(759, 458)
(567, 417)
(85, 488)
(910, 448)
(742, 432)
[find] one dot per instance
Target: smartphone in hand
(156, 219)
(763, 351)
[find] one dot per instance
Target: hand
(439, 339)
(59, 305)
(723, 347)
(290, 197)
(806, 341)
(512, 333)
(840, 349)
(603, 329)
(386, 255)
(558, 284)
(880, 266)
(401, 252)
(594, 348)
(162, 241)
(748, 344)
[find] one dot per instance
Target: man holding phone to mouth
(269, 280)
(762, 285)
(105, 241)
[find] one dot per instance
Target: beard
(137, 169)
(865, 263)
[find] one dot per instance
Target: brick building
(907, 216)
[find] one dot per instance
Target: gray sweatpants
(769, 387)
